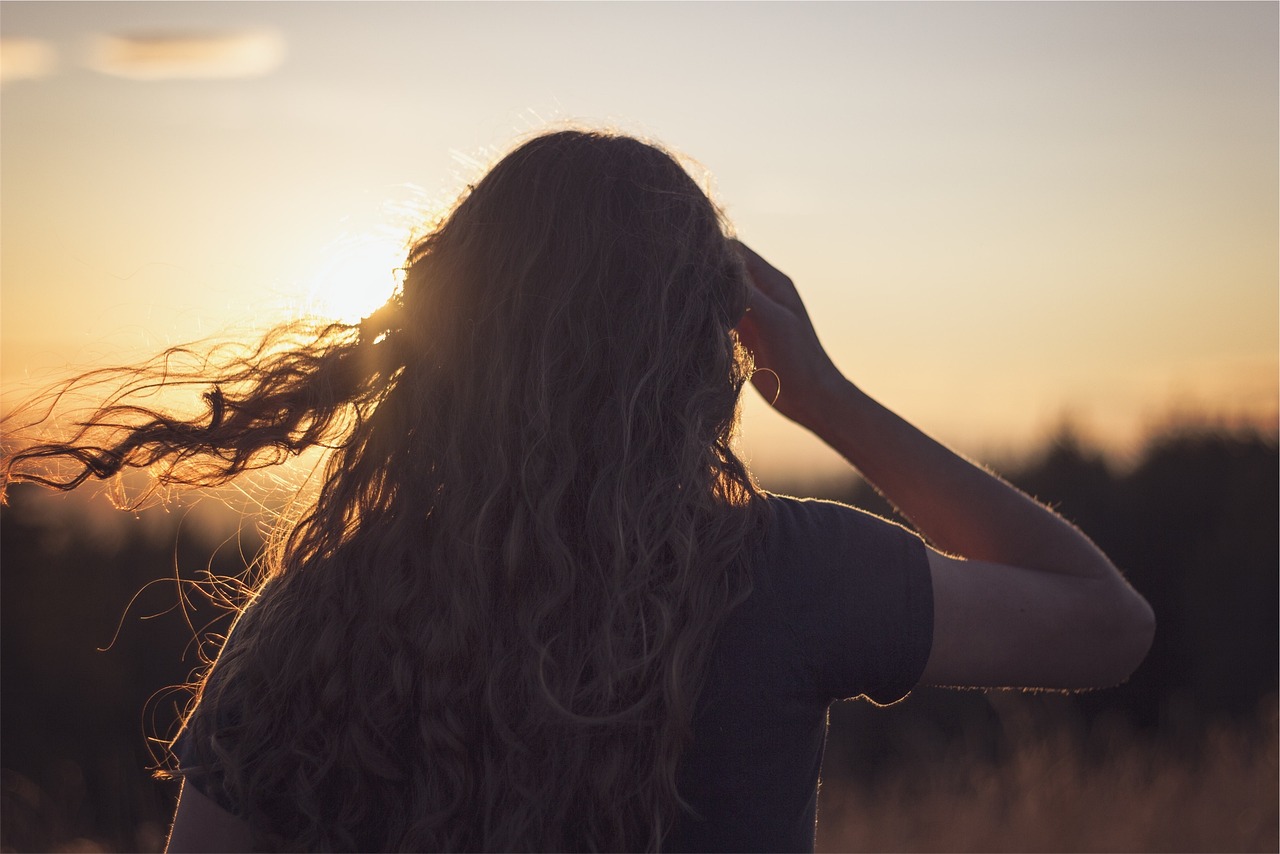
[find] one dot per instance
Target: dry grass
(1053, 791)
(1057, 792)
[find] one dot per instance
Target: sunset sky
(1001, 215)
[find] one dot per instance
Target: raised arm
(1021, 597)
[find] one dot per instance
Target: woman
(539, 603)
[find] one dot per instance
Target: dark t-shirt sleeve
(841, 606)
(856, 592)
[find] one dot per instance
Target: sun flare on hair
(355, 277)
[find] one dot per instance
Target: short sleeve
(856, 592)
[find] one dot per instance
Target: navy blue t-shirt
(841, 606)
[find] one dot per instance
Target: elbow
(1131, 630)
(1144, 632)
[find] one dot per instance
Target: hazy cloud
(26, 59)
(171, 55)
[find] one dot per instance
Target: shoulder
(856, 591)
(797, 510)
(213, 712)
(812, 527)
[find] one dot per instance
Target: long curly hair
(489, 630)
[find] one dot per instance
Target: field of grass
(1052, 791)
(1114, 790)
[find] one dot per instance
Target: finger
(769, 278)
(763, 308)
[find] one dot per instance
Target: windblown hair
(491, 628)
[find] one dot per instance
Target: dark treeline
(80, 703)
(1193, 524)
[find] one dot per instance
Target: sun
(356, 275)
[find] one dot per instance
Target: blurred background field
(1182, 758)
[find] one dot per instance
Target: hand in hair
(1029, 601)
(792, 367)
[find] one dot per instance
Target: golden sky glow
(1000, 214)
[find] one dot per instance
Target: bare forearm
(1025, 600)
(960, 507)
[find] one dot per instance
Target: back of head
(581, 293)
(525, 544)
(490, 629)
